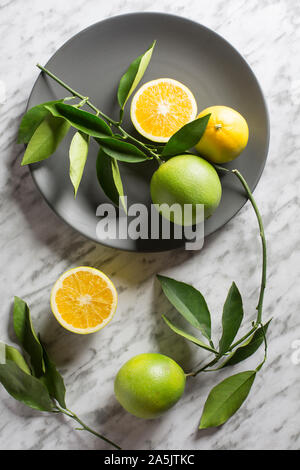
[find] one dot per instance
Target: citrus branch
(72, 415)
(263, 276)
(117, 124)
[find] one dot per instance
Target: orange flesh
(84, 301)
(162, 109)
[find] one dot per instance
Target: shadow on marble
(62, 345)
(10, 327)
(113, 418)
(167, 341)
(203, 433)
(19, 409)
(136, 431)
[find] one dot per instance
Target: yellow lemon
(83, 300)
(226, 135)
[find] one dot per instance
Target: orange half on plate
(83, 300)
(161, 107)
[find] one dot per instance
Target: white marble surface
(35, 247)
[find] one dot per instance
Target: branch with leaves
(228, 396)
(45, 126)
(33, 379)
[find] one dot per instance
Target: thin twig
(72, 415)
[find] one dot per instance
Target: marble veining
(35, 247)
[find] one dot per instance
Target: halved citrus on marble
(161, 107)
(83, 300)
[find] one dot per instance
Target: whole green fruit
(149, 384)
(186, 179)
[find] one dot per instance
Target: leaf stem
(203, 369)
(121, 116)
(72, 415)
(243, 338)
(141, 144)
(264, 245)
(262, 236)
(266, 348)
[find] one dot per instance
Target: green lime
(186, 179)
(149, 384)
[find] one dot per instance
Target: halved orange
(83, 300)
(161, 107)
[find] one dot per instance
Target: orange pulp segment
(161, 107)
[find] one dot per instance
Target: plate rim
(228, 44)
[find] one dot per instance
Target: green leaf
(12, 354)
(24, 387)
(45, 140)
(122, 151)
(27, 336)
(53, 381)
(133, 76)
(232, 318)
(248, 348)
(78, 154)
(187, 137)
(189, 302)
(226, 398)
(31, 121)
(187, 336)
(109, 178)
(81, 120)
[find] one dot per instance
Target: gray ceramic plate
(93, 61)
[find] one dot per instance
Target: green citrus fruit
(186, 179)
(225, 136)
(149, 384)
